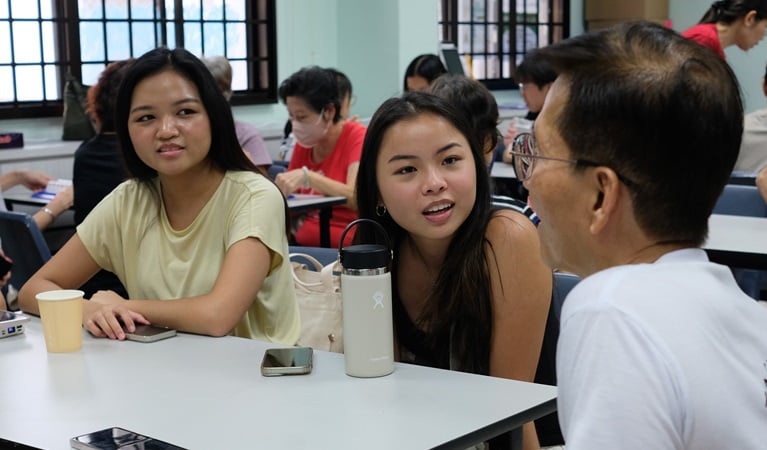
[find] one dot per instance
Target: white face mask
(310, 134)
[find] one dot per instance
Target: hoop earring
(380, 210)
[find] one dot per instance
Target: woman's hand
(290, 181)
(32, 179)
(62, 201)
(105, 311)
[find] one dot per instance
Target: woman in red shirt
(730, 22)
(327, 151)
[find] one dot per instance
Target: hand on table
(290, 181)
(62, 201)
(103, 311)
(33, 180)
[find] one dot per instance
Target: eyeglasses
(524, 151)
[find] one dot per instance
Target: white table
(737, 241)
(502, 170)
(207, 393)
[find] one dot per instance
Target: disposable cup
(62, 314)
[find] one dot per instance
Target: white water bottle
(366, 292)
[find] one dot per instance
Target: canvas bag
(320, 304)
(77, 124)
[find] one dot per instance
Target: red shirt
(706, 35)
(348, 150)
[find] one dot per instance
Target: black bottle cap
(365, 256)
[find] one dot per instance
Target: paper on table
(53, 188)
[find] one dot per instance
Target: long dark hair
(728, 11)
(459, 308)
(225, 151)
(428, 66)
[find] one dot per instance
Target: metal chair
(744, 200)
(23, 242)
(741, 200)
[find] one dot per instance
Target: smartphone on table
(287, 361)
(117, 438)
(149, 333)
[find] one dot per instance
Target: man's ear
(750, 18)
(608, 189)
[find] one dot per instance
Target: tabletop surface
(207, 393)
(296, 201)
(737, 234)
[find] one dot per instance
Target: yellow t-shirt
(128, 233)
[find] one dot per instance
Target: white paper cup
(62, 314)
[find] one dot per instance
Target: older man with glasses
(658, 348)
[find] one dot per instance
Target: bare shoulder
(509, 226)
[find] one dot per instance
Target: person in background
(43, 218)
(535, 76)
(344, 94)
(470, 291)
(479, 108)
(659, 348)
(37, 181)
(197, 235)
(98, 165)
(249, 137)
(345, 99)
(476, 103)
(752, 158)
(761, 183)
(730, 22)
(327, 150)
(422, 71)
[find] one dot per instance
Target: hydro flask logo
(378, 299)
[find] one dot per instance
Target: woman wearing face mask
(327, 151)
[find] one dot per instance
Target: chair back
(563, 283)
(741, 200)
(275, 169)
(324, 255)
(23, 242)
(739, 177)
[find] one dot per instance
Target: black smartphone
(117, 438)
(287, 361)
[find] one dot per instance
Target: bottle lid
(365, 256)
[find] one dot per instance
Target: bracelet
(48, 211)
(306, 177)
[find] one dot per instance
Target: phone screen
(119, 438)
(149, 330)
